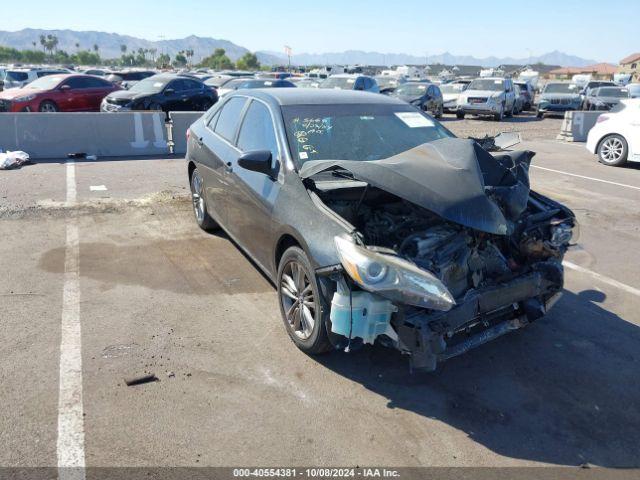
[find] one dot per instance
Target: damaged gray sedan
(376, 223)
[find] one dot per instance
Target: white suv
(494, 96)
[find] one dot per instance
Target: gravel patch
(530, 127)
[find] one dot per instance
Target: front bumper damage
(431, 337)
(482, 316)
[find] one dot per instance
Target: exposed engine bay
(501, 278)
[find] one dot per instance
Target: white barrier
(576, 126)
(54, 135)
(179, 124)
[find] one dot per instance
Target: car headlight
(565, 234)
(26, 98)
(392, 277)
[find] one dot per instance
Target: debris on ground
(10, 160)
(147, 378)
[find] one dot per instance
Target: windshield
(452, 88)
(411, 90)
(561, 88)
(343, 83)
(45, 83)
(487, 84)
(613, 92)
(149, 85)
(357, 131)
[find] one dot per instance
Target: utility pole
(287, 50)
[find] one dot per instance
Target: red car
(58, 93)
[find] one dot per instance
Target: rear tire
(613, 150)
(301, 304)
(203, 219)
(440, 112)
(460, 115)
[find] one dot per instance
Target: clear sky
(603, 31)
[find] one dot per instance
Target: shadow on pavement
(564, 391)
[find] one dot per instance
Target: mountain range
(109, 47)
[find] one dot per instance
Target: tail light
(602, 118)
(188, 134)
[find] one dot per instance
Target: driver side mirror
(258, 161)
(169, 91)
(65, 88)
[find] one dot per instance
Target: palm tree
(96, 47)
(34, 45)
(123, 48)
(77, 46)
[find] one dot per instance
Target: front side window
(357, 131)
(256, 132)
(229, 117)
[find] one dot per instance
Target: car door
(174, 96)
(97, 89)
(194, 95)
(253, 194)
(216, 153)
(72, 95)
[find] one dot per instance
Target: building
(631, 66)
(599, 71)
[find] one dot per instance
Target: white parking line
(70, 445)
(586, 178)
(603, 278)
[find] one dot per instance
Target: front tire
(203, 218)
(460, 115)
(301, 304)
(439, 113)
(613, 150)
(48, 107)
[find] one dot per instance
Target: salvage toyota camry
(376, 223)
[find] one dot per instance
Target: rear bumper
(484, 315)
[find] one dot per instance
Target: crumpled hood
(453, 178)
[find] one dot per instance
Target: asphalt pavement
(158, 296)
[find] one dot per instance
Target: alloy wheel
(197, 196)
(298, 299)
(612, 150)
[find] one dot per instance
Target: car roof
(310, 96)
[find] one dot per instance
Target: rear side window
(77, 82)
(229, 117)
(257, 131)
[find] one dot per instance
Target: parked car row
(560, 97)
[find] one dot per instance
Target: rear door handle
(229, 167)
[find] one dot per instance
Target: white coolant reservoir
(369, 313)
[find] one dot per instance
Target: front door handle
(229, 167)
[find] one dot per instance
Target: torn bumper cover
(432, 337)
